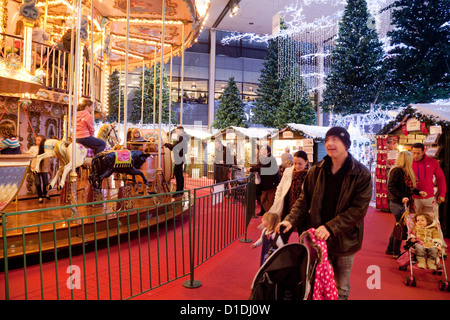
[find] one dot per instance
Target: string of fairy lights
(304, 47)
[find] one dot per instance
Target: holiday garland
(408, 112)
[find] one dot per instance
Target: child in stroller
(426, 241)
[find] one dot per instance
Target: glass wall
(241, 60)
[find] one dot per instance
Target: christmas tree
(354, 81)
(113, 98)
(230, 111)
(419, 61)
(269, 89)
(296, 108)
(149, 94)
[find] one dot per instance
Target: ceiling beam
(225, 10)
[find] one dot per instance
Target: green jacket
(347, 226)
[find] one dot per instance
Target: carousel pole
(29, 15)
(71, 84)
(170, 89)
(154, 94)
(125, 94)
(120, 96)
(161, 74)
(73, 174)
(182, 75)
(124, 190)
(46, 13)
(142, 96)
(92, 61)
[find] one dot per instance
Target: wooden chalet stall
(425, 123)
(299, 137)
(199, 154)
(243, 143)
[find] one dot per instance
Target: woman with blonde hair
(401, 187)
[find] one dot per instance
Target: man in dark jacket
(335, 198)
(179, 149)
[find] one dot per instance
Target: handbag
(400, 231)
(257, 178)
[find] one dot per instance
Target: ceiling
(255, 16)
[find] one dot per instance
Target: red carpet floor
(229, 274)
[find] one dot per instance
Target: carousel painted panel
(13, 170)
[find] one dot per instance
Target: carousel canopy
(183, 21)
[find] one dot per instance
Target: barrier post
(192, 283)
(251, 194)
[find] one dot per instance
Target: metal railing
(112, 253)
(203, 175)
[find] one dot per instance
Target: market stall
(425, 123)
(243, 142)
(298, 137)
(199, 154)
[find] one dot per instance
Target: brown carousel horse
(63, 150)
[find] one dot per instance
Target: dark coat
(347, 226)
(268, 170)
(179, 149)
(397, 188)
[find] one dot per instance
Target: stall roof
(259, 133)
(314, 132)
(440, 109)
(197, 133)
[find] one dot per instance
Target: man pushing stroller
(334, 200)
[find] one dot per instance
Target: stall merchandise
(418, 123)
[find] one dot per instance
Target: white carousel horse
(63, 150)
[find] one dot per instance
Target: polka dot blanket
(324, 285)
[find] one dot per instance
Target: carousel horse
(109, 134)
(125, 161)
(63, 150)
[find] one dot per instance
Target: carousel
(43, 83)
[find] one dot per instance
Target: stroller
(288, 273)
(407, 258)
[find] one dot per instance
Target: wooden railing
(55, 64)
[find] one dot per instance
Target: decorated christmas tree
(355, 78)
(269, 89)
(149, 94)
(113, 98)
(419, 59)
(294, 108)
(230, 111)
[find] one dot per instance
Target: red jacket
(424, 170)
(85, 124)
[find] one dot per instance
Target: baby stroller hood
(286, 274)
